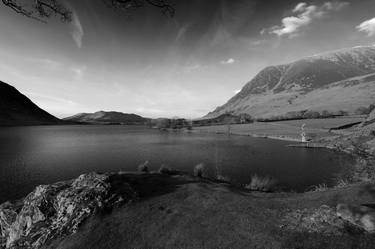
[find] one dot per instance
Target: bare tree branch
(43, 9)
(40, 9)
(130, 5)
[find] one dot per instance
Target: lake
(30, 156)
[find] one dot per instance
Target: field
(286, 130)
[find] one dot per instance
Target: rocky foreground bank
(172, 210)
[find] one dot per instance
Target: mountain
(17, 109)
(103, 117)
(342, 80)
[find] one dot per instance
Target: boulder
(58, 210)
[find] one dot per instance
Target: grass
(319, 188)
(143, 167)
(342, 183)
(185, 213)
(290, 129)
(199, 170)
(261, 183)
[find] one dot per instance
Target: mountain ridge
(17, 109)
(301, 78)
(108, 117)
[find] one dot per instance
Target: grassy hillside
(335, 81)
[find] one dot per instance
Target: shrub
(143, 167)
(326, 114)
(223, 178)
(311, 114)
(341, 113)
(167, 170)
(371, 108)
(362, 111)
(164, 169)
(260, 183)
(342, 183)
(199, 170)
(319, 188)
(294, 115)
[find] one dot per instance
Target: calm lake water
(30, 156)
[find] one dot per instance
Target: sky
(156, 66)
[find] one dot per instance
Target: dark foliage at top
(42, 9)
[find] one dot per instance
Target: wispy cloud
(191, 68)
(304, 15)
(47, 63)
(77, 30)
(78, 72)
(182, 31)
(228, 61)
(47, 98)
(367, 27)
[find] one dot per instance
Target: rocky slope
(336, 81)
(17, 109)
(108, 117)
(152, 210)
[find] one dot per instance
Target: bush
(260, 183)
(311, 114)
(223, 178)
(199, 170)
(362, 111)
(167, 171)
(326, 114)
(294, 115)
(164, 169)
(341, 113)
(143, 167)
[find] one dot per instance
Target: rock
(7, 217)
(360, 216)
(58, 210)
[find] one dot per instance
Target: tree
(43, 9)
(326, 114)
(311, 114)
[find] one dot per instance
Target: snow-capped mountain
(342, 80)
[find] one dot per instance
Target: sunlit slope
(336, 81)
